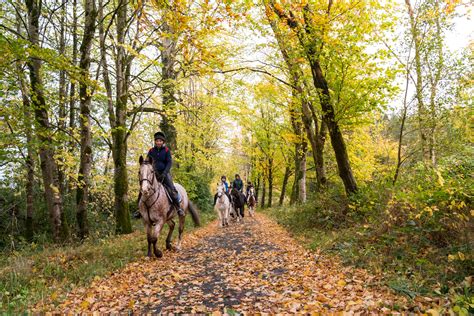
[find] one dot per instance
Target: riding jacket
(226, 186)
(238, 184)
(161, 159)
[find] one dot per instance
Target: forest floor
(254, 266)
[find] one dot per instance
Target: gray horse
(156, 208)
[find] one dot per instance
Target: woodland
(353, 120)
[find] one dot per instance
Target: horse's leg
(149, 237)
(220, 216)
(149, 249)
(157, 229)
(180, 231)
(227, 212)
(171, 225)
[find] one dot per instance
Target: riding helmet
(160, 135)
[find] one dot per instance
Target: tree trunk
(85, 96)
(72, 90)
(402, 129)
(62, 93)
(319, 155)
(285, 183)
(308, 113)
(30, 158)
(46, 150)
(302, 179)
(270, 181)
(257, 188)
(119, 133)
(295, 187)
(419, 81)
(305, 36)
(169, 76)
(337, 140)
(263, 191)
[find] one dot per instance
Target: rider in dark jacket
(238, 184)
(162, 161)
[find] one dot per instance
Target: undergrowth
(418, 234)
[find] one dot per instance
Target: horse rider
(226, 189)
(238, 184)
(162, 161)
(247, 190)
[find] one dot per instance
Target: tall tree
(49, 167)
(309, 39)
(85, 97)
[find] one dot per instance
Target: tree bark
(85, 96)
(270, 181)
(72, 89)
(119, 132)
(169, 76)
(46, 150)
(285, 183)
(302, 178)
(419, 81)
(30, 157)
(263, 190)
(295, 187)
(62, 92)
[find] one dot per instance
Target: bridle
(222, 193)
(148, 207)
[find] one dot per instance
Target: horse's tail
(194, 214)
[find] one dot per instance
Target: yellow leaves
(54, 295)
(85, 304)
(341, 283)
(432, 312)
(458, 256)
(439, 177)
(451, 5)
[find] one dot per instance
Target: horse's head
(220, 189)
(146, 175)
(252, 191)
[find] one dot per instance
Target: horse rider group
(162, 162)
(238, 184)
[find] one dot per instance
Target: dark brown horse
(156, 209)
(238, 201)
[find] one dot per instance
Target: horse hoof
(158, 253)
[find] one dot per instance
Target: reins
(157, 192)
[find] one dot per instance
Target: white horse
(251, 202)
(222, 206)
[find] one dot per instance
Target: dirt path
(251, 267)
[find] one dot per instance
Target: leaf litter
(249, 267)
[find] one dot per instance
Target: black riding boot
(137, 214)
(179, 208)
(168, 183)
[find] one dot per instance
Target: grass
(29, 276)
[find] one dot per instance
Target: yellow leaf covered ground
(250, 267)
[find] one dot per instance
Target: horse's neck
(223, 199)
